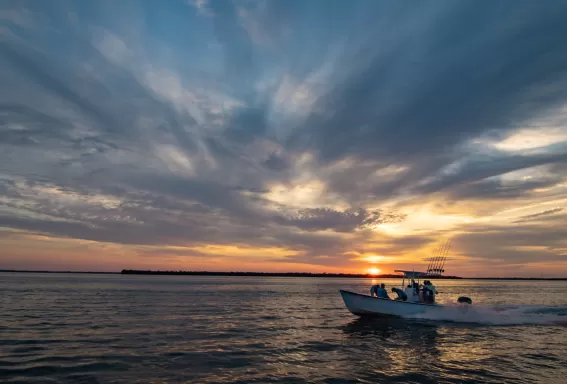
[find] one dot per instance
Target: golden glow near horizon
(103, 256)
(373, 259)
(374, 271)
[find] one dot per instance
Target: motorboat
(368, 305)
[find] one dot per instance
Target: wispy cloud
(538, 215)
(315, 136)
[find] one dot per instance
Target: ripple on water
(49, 369)
(100, 329)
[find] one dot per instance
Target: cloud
(452, 89)
(276, 163)
(539, 215)
(320, 219)
(519, 244)
(485, 167)
(112, 47)
(319, 131)
(20, 17)
(202, 6)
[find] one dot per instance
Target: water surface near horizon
(148, 329)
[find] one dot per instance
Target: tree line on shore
(271, 274)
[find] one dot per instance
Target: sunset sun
(373, 271)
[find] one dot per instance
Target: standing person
(426, 293)
(416, 287)
(429, 292)
(420, 292)
(432, 287)
(433, 290)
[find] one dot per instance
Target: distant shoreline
(278, 274)
(35, 271)
(269, 274)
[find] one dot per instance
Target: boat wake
(497, 315)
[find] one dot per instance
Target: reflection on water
(400, 346)
(124, 329)
(389, 327)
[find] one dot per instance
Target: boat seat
(412, 297)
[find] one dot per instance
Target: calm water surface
(149, 329)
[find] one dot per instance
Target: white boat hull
(365, 305)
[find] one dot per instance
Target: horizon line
(268, 274)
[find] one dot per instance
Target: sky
(256, 135)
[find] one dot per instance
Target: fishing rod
(445, 252)
(436, 258)
(439, 258)
(432, 259)
(438, 261)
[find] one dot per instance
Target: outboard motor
(464, 300)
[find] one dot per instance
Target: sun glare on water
(373, 271)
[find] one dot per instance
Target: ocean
(75, 328)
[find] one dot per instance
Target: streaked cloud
(214, 134)
(541, 214)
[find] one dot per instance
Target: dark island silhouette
(275, 274)
(269, 274)
(311, 274)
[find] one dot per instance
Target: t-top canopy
(413, 274)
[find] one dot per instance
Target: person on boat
(382, 293)
(415, 286)
(379, 291)
(401, 294)
(374, 290)
(429, 292)
(426, 294)
(432, 289)
(419, 291)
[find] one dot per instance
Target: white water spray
(497, 315)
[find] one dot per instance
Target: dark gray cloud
(246, 124)
(527, 243)
(276, 162)
(539, 215)
(487, 167)
(468, 72)
(421, 97)
(321, 219)
(487, 190)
